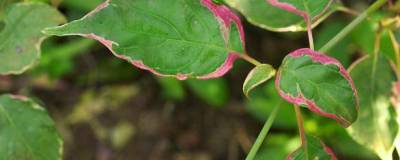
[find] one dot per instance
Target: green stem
(250, 59)
(260, 139)
(396, 48)
(302, 133)
(352, 25)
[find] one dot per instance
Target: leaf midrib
(316, 86)
(198, 43)
(182, 39)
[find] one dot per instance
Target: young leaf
(376, 126)
(21, 38)
(257, 76)
(266, 16)
(313, 149)
(27, 131)
(194, 38)
(319, 82)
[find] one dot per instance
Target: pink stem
(293, 9)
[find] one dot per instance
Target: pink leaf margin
(326, 149)
(301, 99)
(293, 9)
(225, 16)
(307, 18)
(395, 99)
(222, 13)
(290, 8)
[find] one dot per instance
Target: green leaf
(396, 103)
(214, 91)
(257, 76)
(363, 35)
(314, 149)
(172, 88)
(186, 39)
(319, 82)
(264, 15)
(5, 3)
(21, 38)
(337, 138)
(387, 47)
(376, 126)
(27, 131)
(3, 6)
(397, 34)
(219, 2)
(398, 143)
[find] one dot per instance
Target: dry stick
(309, 32)
(352, 25)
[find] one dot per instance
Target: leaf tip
(56, 30)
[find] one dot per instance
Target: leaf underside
(376, 127)
(320, 83)
(27, 131)
(316, 150)
(21, 37)
(264, 15)
(186, 39)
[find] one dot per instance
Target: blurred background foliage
(107, 109)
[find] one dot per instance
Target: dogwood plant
(202, 39)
